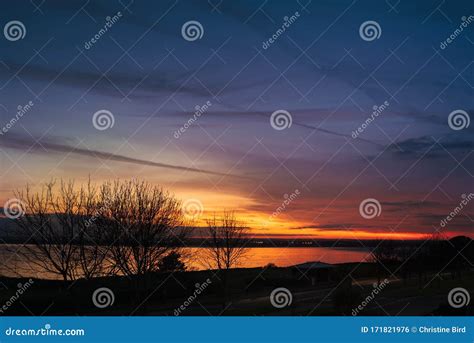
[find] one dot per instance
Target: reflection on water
(284, 257)
(256, 257)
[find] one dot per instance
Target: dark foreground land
(335, 290)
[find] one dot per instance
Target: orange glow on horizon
(264, 225)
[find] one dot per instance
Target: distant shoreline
(278, 243)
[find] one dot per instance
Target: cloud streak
(295, 113)
(18, 142)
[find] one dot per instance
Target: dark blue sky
(320, 70)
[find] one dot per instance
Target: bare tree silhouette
(92, 248)
(228, 240)
(123, 227)
(49, 226)
(142, 224)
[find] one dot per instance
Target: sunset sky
(319, 70)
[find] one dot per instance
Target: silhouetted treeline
(436, 257)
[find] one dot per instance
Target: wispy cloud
(296, 114)
(20, 142)
(429, 147)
